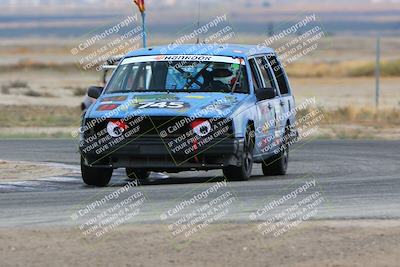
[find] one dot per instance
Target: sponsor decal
(184, 58)
(265, 128)
(107, 107)
(162, 104)
(277, 120)
(264, 143)
(265, 110)
(218, 107)
(114, 98)
(116, 128)
(156, 97)
(201, 127)
(231, 99)
(195, 97)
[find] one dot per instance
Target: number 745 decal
(163, 104)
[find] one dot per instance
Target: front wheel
(243, 172)
(95, 176)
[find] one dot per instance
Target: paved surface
(357, 180)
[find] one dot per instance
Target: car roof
(231, 50)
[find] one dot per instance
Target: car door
(265, 126)
(286, 102)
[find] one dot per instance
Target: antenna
(198, 19)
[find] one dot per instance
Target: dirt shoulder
(19, 170)
(318, 243)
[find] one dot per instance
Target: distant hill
(157, 4)
(69, 18)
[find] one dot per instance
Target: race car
(190, 107)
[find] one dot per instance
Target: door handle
(269, 106)
(282, 103)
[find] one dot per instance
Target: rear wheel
(95, 176)
(243, 172)
(277, 165)
(138, 174)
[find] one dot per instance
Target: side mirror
(94, 91)
(265, 93)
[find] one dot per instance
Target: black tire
(138, 174)
(243, 172)
(277, 165)
(95, 176)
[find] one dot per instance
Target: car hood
(201, 105)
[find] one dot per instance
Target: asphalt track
(357, 179)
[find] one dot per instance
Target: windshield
(184, 76)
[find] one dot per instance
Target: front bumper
(156, 154)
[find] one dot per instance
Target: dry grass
(6, 88)
(24, 65)
(343, 69)
(354, 123)
(335, 56)
(358, 116)
(22, 88)
(299, 69)
(341, 123)
(29, 116)
(39, 116)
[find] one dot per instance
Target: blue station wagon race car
(189, 107)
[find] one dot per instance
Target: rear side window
(265, 72)
(279, 74)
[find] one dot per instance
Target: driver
(219, 78)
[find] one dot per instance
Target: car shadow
(171, 179)
(192, 180)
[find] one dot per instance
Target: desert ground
(21, 170)
(366, 243)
